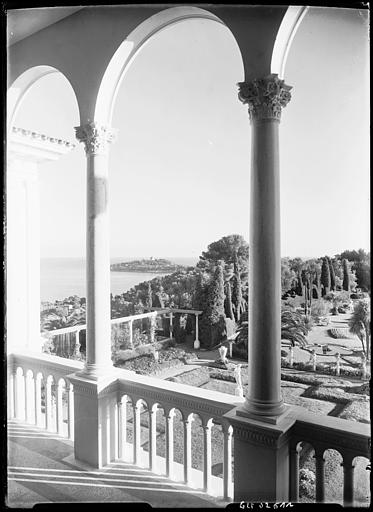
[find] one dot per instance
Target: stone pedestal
(95, 420)
(261, 458)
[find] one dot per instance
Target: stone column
(262, 424)
(96, 141)
(94, 405)
(265, 98)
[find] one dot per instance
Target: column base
(196, 345)
(268, 413)
(96, 372)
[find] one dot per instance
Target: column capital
(265, 97)
(96, 137)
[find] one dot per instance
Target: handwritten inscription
(283, 504)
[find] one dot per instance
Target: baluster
(48, 404)
(136, 432)
(26, 382)
(320, 475)
(70, 411)
(122, 428)
(207, 456)
(115, 433)
(59, 408)
(294, 473)
(12, 394)
(153, 437)
(170, 443)
(348, 481)
(18, 402)
(187, 447)
(38, 418)
(227, 461)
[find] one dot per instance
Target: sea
(62, 277)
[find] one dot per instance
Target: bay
(63, 277)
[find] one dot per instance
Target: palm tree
(293, 327)
(359, 324)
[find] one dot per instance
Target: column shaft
(264, 395)
(96, 139)
(265, 98)
(98, 264)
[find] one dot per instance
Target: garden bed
(147, 365)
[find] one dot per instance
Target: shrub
(319, 308)
(337, 333)
(223, 375)
(307, 481)
(284, 353)
(139, 338)
(144, 349)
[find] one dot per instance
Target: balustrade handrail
(41, 361)
(81, 327)
(188, 399)
(328, 432)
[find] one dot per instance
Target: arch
(21, 86)
(285, 35)
(125, 54)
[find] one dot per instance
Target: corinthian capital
(265, 97)
(96, 138)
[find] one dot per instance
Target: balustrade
(37, 377)
(350, 439)
(67, 340)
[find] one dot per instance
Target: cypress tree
(332, 275)
(228, 301)
(215, 317)
(200, 303)
(325, 276)
(237, 289)
(149, 299)
(346, 276)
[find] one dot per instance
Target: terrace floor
(42, 469)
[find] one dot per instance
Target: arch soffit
(276, 44)
(285, 35)
(126, 52)
(22, 85)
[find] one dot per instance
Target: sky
(180, 168)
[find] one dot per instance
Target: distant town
(146, 265)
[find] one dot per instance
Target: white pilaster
(26, 151)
